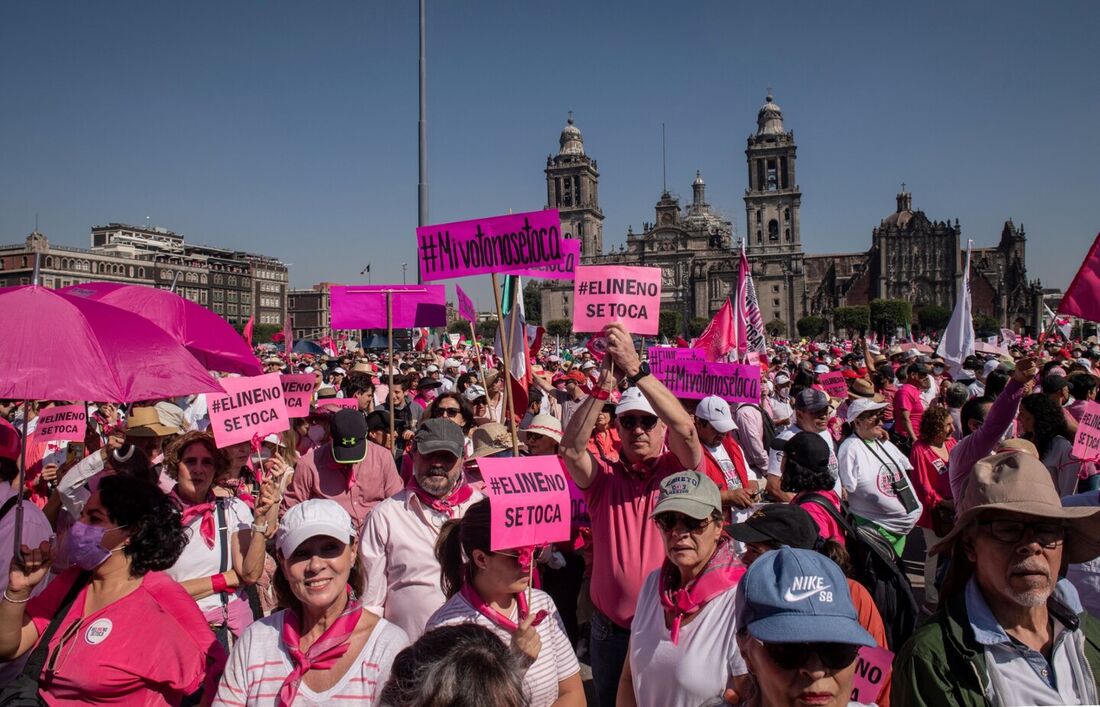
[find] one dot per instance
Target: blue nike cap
(798, 596)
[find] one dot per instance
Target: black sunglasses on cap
(792, 656)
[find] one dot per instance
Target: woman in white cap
(875, 473)
(324, 647)
(683, 650)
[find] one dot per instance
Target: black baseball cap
(807, 449)
(1054, 383)
(427, 383)
(811, 400)
(349, 436)
(780, 523)
(378, 420)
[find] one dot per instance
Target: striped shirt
(556, 660)
(259, 665)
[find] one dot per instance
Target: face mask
(85, 549)
(317, 433)
(938, 370)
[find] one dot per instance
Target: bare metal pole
(422, 187)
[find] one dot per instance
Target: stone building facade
(911, 256)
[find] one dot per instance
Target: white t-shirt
(695, 671)
(775, 459)
(198, 560)
(259, 664)
(556, 660)
(868, 480)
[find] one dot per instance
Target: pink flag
(248, 330)
(1082, 299)
(749, 324)
(465, 306)
(288, 337)
(718, 338)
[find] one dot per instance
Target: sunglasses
(670, 521)
(481, 401)
(449, 412)
(54, 660)
(792, 656)
(1013, 531)
(631, 422)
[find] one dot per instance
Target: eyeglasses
(449, 412)
(871, 417)
(54, 660)
(1013, 531)
(481, 401)
(670, 521)
(630, 422)
(792, 656)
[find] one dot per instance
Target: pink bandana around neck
(447, 505)
(329, 647)
(205, 509)
(723, 571)
(471, 595)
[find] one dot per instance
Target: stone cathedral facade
(911, 256)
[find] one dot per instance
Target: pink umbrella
(59, 347)
(207, 336)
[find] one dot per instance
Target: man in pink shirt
(621, 495)
(350, 470)
(908, 405)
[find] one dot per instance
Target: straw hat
(145, 422)
(491, 438)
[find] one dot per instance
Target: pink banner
(578, 507)
(364, 306)
(834, 384)
(1086, 444)
(528, 499)
(660, 355)
(298, 393)
(605, 294)
(465, 306)
(564, 270)
(695, 380)
(501, 244)
(250, 406)
(62, 423)
(873, 666)
(338, 403)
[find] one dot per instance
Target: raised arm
(574, 441)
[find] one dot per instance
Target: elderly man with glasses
(621, 495)
(811, 414)
(1009, 631)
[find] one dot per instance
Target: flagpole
(480, 362)
(509, 403)
(389, 354)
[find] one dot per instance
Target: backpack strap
(819, 500)
(8, 505)
(224, 541)
(37, 660)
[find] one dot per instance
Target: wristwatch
(259, 528)
(643, 371)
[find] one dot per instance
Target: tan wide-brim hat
(1018, 482)
(492, 438)
(145, 422)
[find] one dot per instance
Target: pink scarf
(447, 505)
(323, 654)
(723, 571)
(471, 595)
(206, 510)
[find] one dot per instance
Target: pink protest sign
(364, 306)
(604, 294)
(250, 406)
(487, 245)
(338, 403)
(834, 384)
(62, 423)
(465, 306)
(1086, 444)
(298, 393)
(578, 507)
(695, 380)
(872, 668)
(564, 270)
(660, 355)
(528, 499)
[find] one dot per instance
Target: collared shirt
(398, 552)
(750, 435)
(318, 475)
(627, 545)
(1019, 675)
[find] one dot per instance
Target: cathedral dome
(571, 142)
(769, 121)
(904, 213)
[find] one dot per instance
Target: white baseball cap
(990, 366)
(450, 363)
(716, 411)
(339, 370)
(861, 405)
(588, 365)
(632, 400)
(433, 368)
(473, 393)
(317, 516)
(821, 368)
(782, 379)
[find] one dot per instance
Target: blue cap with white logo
(798, 596)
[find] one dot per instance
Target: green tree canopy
(853, 319)
(811, 326)
(559, 327)
(671, 323)
(696, 326)
(889, 314)
(933, 317)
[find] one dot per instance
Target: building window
(775, 288)
(773, 230)
(775, 303)
(787, 234)
(232, 279)
(759, 237)
(773, 179)
(141, 273)
(787, 215)
(760, 215)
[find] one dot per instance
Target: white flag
(958, 338)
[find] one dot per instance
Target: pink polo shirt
(627, 545)
(908, 398)
(317, 475)
(151, 647)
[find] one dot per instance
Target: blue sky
(289, 128)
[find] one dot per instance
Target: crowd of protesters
(720, 553)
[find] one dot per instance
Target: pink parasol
(211, 339)
(59, 347)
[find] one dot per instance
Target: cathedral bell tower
(572, 187)
(772, 199)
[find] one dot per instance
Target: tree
(487, 328)
(532, 302)
(458, 326)
(857, 318)
(262, 333)
(670, 323)
(889, 314)
(933, 317)
(776, 328)
(985, 325)
(811, 326)
(697, 326)
(559, 327)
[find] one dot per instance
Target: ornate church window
(773, 230)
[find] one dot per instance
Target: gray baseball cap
(690, 493)
(437, 434)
